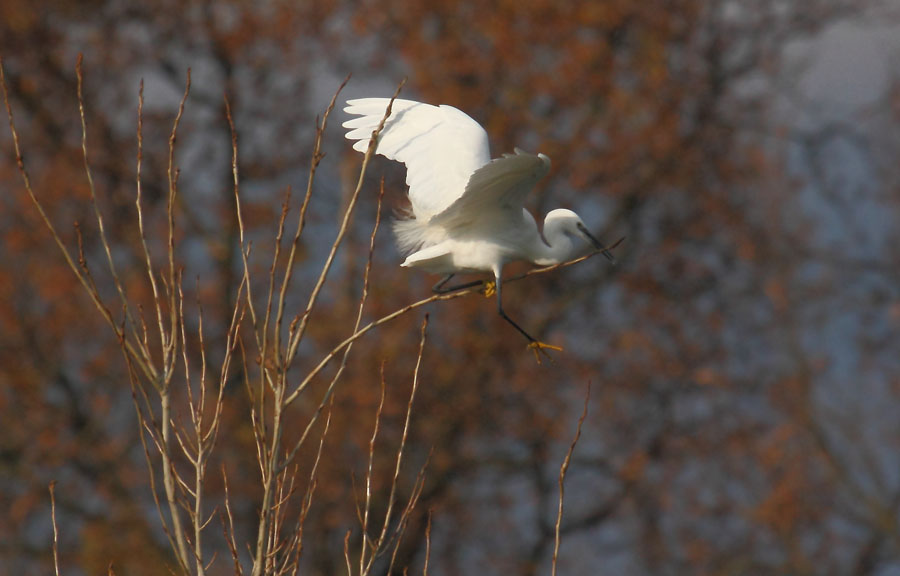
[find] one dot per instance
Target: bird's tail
(409, 232)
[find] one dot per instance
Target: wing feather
(441, 147)
(497, 190)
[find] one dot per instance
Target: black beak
(597, 244)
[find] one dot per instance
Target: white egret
(467, 211)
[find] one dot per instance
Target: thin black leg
(507, 318)
(439, 287)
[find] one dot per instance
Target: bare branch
(427, 543)
(228, 529)
(84, 281)
(310, 491)
(347, 553)
(297, 336)
(392, 498)
(240, 217)
(365, 544)
(301, 221)
(562, 478)
(359, 315)
(55, 531)
(97, 214)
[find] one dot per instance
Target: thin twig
(310, 490)
(562, 478)
(55, 531)
(427, 543)
(173, 172)
(297, 336)
(316, 158)
(73, 266)
(228, 529)
(347, 553)
(392, 498)
(97, 214)
(145, 429)
(409, 307)
(359, 314)
(264, 347)
(418, 487)
(200, 455)
(364, 547)
(169, 338)
(545, 269)
(301, 220)
(269, 448)
(140, 217)
(239, 213)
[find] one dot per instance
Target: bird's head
(569, 225)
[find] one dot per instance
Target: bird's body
(467, 211)
(487, 244)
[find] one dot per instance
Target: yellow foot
(490, 288)
(540, 348)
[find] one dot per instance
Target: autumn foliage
(742, 355)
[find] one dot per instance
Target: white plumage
(467, 211)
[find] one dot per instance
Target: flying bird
(466, 212)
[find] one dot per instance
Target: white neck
(559, 246)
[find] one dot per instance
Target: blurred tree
(743, 354)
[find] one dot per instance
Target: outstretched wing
(440, 145)
(496, 191)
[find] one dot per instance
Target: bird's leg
(536, 345)
(439, 287)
